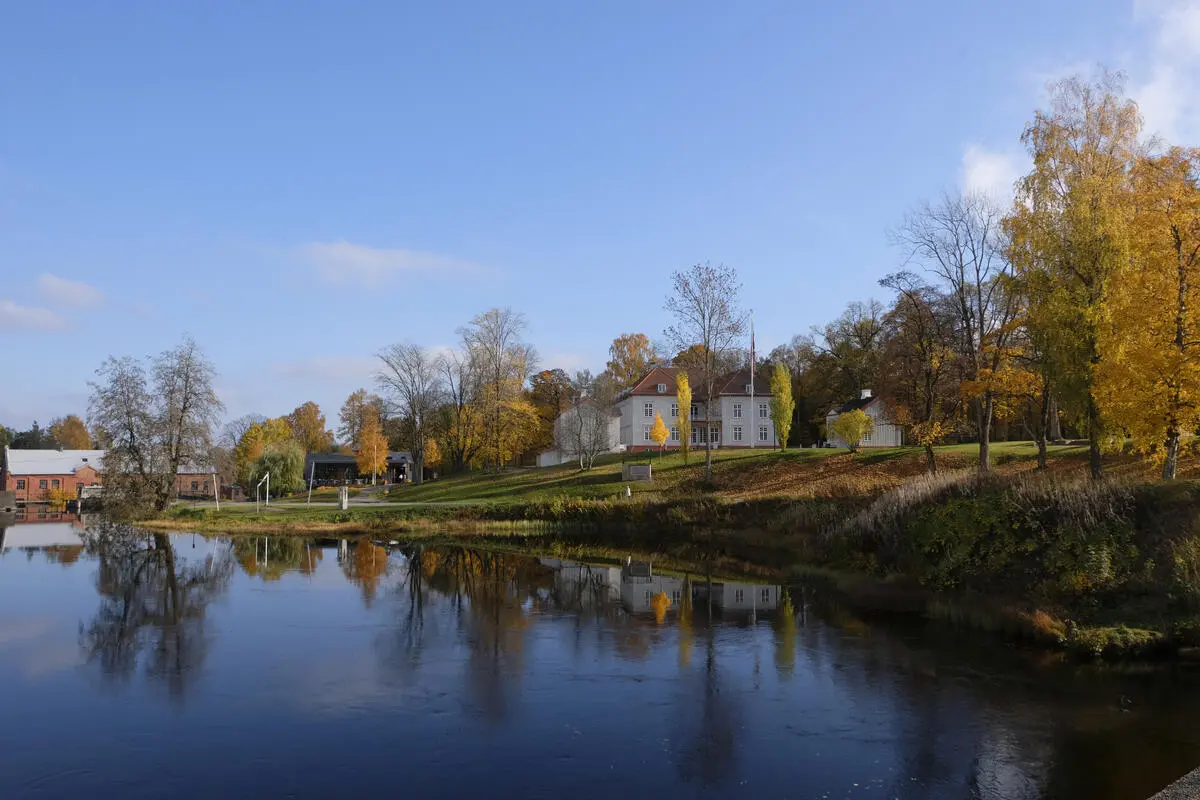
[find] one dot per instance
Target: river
(182, 666)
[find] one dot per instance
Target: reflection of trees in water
(709, 752)
(66, 555)
(485, 594)
(152, 606)
(269, 558)
(364, 564)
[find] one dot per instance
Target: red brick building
(33, 474)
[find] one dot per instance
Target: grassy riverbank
(1110, 568)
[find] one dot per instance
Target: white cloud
(331, 368)
(1167, 81)
(351, 264)
(15, 317)
(63, 292)
(990, 172)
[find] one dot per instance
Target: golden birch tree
(659, 432)
(683, 399)
(1148, 377)
(372, 454)
(782, 404)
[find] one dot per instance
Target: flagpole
(753, 410)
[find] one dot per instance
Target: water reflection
(152, 607)
(524, 672)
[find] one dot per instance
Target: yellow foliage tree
(70, 433)
(372, 452)
(308, 426)
(782, 404)
(659, 432)
(257, 438)
(1148, 378)
(852, 427)
(683, 398)
(433, 454)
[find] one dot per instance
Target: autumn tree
(372, 453)
(502, 362)
(308, 427)
(704, 304)
(782, 405)
(1147, 381)
(70, 433)
(922, 386)
(433, 454)
(411, 379)
(284, 460)
(1069, 229)
(630, 356)
(359, 406)
(852, 427)
(551, 391)
(683, 399)
(959, 240)
(459, 418)
(659, 432)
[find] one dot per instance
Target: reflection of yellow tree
(785, 636)
(659, 604)
(366, 564)
(64, 554)
(686, 630)
(269, 558)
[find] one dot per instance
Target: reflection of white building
(729, 596)
(636, 592)
(587, 582)
(50, 534)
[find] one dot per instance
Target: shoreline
(775, 540)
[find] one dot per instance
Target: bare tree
(583, 430)
(502, 362)
(411, 380)
(235, 429)
(154, 431)
(704, 304)
(959, 240)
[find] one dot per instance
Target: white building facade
(738, 416)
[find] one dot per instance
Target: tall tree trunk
(1171, 464)
(1054, 432)
(986, 409)
(708, 458)
(931, 459)
(418, 469)
(1095, 464)
(1044, 427)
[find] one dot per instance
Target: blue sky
(298, 184)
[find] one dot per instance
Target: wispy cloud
(1170, 78)
(350, 264)
(15, 317)
(64, 292)
(990, 172)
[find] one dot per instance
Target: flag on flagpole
(753, 413)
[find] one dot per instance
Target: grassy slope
(736, 474)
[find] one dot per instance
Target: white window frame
(764, 411)
(674, 434)
(714, 434)
(646, 434)
(662, 388)
(737, 410)
(737, 433)
(766, 594)
(674, 410)
(749, 389)
(739, 595)
(695, 411)
(648, 410)
(764, 434)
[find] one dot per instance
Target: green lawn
(670, 474)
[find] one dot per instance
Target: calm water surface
(178, 666)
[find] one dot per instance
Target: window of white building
(646, 433)
(674, 434)
(662, 388)
(737, 433)
(674, 410)
(737, 410)
(738, 595)
(695, 411)
(763, 411)
(764, 435)
(766, 595)
(648, 410)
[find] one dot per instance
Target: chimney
(865, 394)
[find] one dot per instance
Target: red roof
(732, 384)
